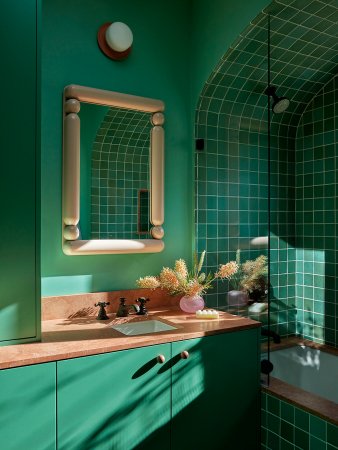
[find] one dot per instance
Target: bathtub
(300, 405)
(310, 369)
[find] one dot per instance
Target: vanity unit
(172, 392)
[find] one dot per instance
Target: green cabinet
(19, 283)
(215, 392)
(126, 400)
(117, 401)
(27, 408)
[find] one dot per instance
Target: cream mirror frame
(72, 245)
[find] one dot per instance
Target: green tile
(318, 427)
(285, 445)
(264, 436)
(287, 431)
(273, 405)
(273, 440)
(302, 420)
(302, 439)
(331, 447)
(332, 434)
(317, 444)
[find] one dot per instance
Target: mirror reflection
(115, 179)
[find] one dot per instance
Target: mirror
(112, 172)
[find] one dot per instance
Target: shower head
(280, 104)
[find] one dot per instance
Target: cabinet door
(27, 405)
(115, 401)
(215, 392)
(18, 161)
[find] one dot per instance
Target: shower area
(266, 185)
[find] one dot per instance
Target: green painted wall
(159, 67)
(19, 174)
(156, 68)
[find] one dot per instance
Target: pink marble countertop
(83, 336)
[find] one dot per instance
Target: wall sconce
(115, 40)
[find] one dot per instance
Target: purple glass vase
(191, 304)
(237, 298)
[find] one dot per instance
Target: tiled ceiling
(304, 57)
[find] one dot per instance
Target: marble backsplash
(83, 305)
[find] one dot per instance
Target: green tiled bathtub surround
(287, 427)
(316, 217)
(232, 173)
(120, 169)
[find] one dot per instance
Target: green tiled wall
(120, 169)
(282, 230)
(232, 172)
(231, 198)
(316, 218)
(287, 427)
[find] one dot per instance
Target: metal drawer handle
(185, 354)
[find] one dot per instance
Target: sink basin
(144, 327)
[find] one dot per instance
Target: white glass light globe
(119, 36)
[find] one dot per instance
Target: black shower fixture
(280, 104)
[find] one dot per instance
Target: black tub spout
(269, 333)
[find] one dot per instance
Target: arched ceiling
(123, 133)
(304, 57)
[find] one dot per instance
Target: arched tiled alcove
(120, 170)
(232, 173)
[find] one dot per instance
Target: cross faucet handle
(104, 304)
(142, 301)
(102, 315)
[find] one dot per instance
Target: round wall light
(115, 40)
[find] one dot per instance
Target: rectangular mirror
(112, 172)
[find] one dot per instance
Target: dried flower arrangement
(250, 275)
(191, 283)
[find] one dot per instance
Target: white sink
(144, 327)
